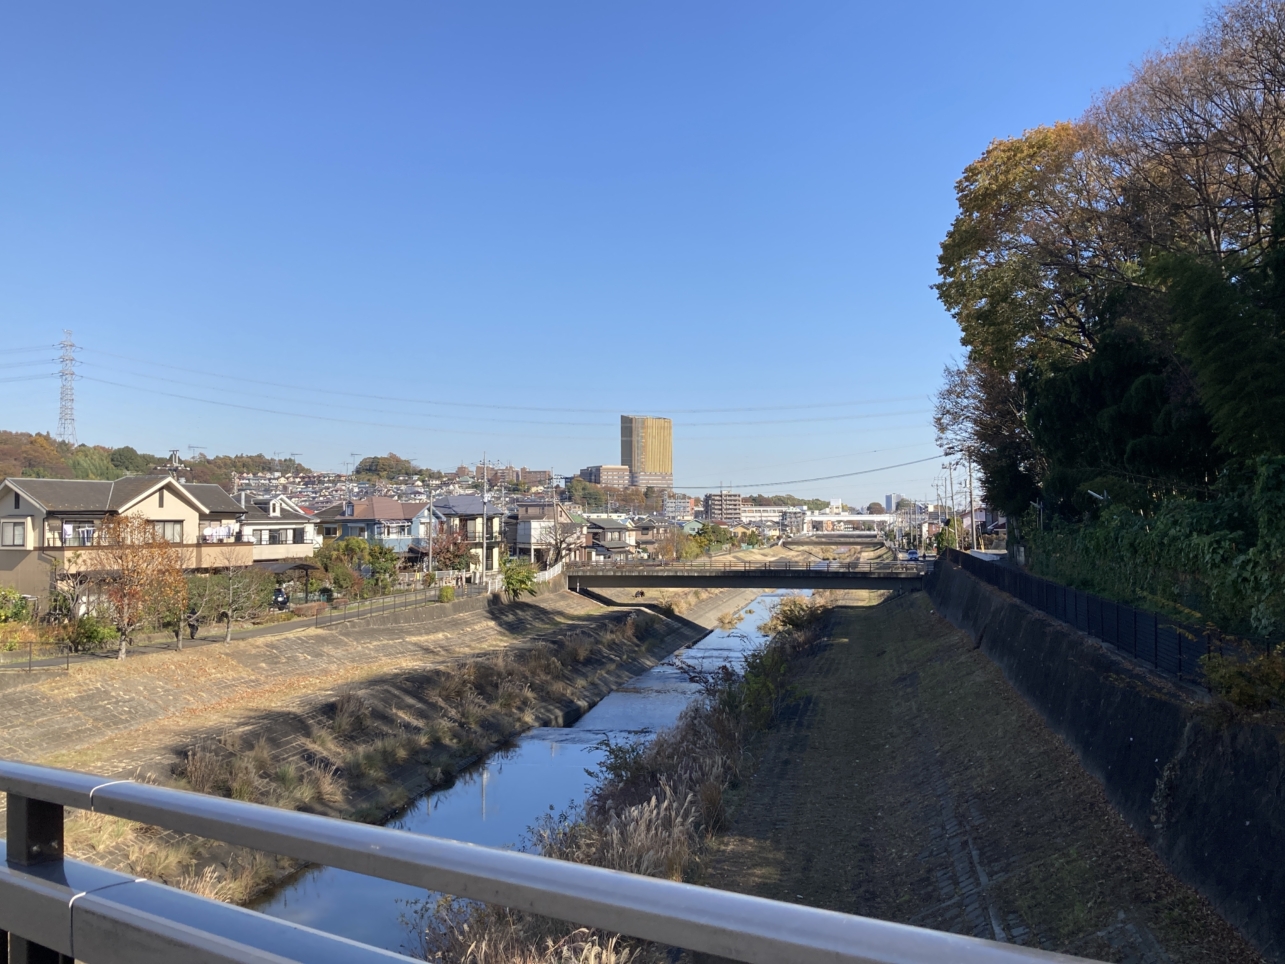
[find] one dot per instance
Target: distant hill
(40, 457)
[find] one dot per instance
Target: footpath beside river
(913, 784)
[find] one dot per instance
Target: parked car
(912, 555)
(280, 599)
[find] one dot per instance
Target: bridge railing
(52, 906)
(706, 566)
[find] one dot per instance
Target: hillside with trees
(40, 457)
(1119, 283)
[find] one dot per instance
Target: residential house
(547, 532)
(468, 515)
(612, 538)
(277, 528)
(650, 531)
(377, 519)
(54, 523)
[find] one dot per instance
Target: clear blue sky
(562, 211)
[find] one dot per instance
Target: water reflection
(495, 802)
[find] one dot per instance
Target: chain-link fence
(1162, 643)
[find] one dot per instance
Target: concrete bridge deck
(777, 574)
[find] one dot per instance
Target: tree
(141, 574)
(874, 508)
(230, 595)
(382, 561)
(712, 536)
(385, 466)
(451, 550)
(518, 577)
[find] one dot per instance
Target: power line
(508, 420)
(514, 408)
(820, 478)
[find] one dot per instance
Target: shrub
(13, 606)
(446, 594)
(518, 577)
(88, 633)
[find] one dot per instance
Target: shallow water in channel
(498, 799)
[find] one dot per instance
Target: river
(497, 800)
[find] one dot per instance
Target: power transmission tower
(67, 392)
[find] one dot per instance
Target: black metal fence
(1162, 643)
(391, 603)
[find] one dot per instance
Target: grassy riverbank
(914, 784)
(372, 747)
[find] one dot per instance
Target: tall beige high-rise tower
(647, 449)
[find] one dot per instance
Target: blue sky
(442, 229)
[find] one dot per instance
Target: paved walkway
(913, 784)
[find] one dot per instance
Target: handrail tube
(104, 917)
(736, 926)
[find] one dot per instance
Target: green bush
(12, 606)
(446, 594)
(88, 633)
(1219, 559)
(519, 578)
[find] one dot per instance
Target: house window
(169, 531)
(299, 537)
(330, 530)
(17, 502)
(261, 536)
(160, 499)
(13, 534)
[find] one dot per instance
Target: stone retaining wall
(1203, 787)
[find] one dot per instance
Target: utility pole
(950, 509)
(432, 524)
(483, 520)
(972, 506)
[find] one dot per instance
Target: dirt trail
(913, 784)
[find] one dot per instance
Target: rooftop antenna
(67, 390)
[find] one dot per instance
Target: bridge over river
(775, 574)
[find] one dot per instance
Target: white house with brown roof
(48, 523)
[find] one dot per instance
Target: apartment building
(613, 476)
(647, 450)
(723, 507)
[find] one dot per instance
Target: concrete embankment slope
(112, 717)
(1202, 785)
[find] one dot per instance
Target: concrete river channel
(498, 799)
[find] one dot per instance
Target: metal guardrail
(54, 906)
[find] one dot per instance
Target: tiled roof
(87, 495)
(213, 497)
(377, 507)
(464, 505)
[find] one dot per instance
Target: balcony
(203, 555)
